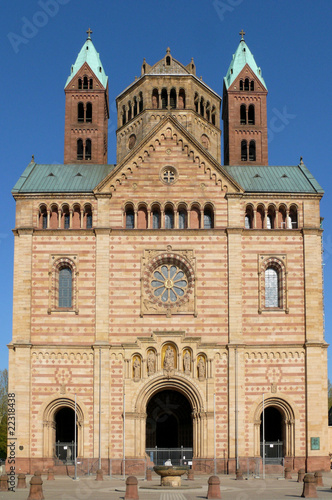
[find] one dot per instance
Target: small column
(202, 218)
(265, 218)
(149, 219)
(162, 222)
(135, 219)
(48, 218)
(70, 218)
(59, 218)
(82, 217)
(255, 218)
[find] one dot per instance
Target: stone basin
(170, 474)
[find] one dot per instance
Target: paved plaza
(86, 488)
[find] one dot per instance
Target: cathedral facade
(171, 301)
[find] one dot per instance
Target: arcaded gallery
(166, 303)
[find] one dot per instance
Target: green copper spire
(89, 55)
(242, 57)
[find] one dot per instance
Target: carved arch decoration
(290, 415)
(49, 411)
(168, 284)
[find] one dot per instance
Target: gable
(169, 144)
(247, 72)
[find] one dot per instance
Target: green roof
(61, 178)
(242, 57)
(89, 55)
(275, 179)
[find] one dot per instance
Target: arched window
(142, 218)
(249, 218)
(213, 115)
(241, 84)
(182, 219)
(90, 84)
(252, 85)
(129, 111)
(76, 217)
(43, 217)
(260, 215)
(54, 221)
(65, 287)
(201, 107)
(164, 99)
(246, 84)
(89, 112)
(173, 98)
(243, 114)
(252, 151)
(244, 153)
(182, 99)
(155, 99)
(88, 149)
(195, 218)
(85, 83)
(168, 61)
(251, 115)
(169, 218)
(130, 218)
(155, 218)
(207, 111)
(282, 217)
(271, 218)
(80, 112)
(271, 287)
(196, 101)
(65, 218)
(124, 115)
(80, 83)
(135, 106)
(140, 102)
(208, 218)
(79, 149)
(293, 223)
(87, 222)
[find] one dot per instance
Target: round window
(169, 283)
(168, 175)
(131, 141)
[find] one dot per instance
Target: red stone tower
(244, 111)
(87, 109)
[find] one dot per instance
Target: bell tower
(87, 108)
(244, 110)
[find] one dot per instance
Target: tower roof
(89, 55)
(242, 57)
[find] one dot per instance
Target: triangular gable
(86, 68)
(246, 72)
(169, 127)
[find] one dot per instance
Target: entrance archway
(274, 434)
(65, 434)
(169, 421)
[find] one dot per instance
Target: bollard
(131, 488)
(50, 475)
(288, 473)
(239, 475)
(4, 482)
(99, 476)
(214, 488)
(190, 475)
(36, 488)
(319, 478)
(309, 486)
(21, 481)
(148, 474)
(300, 475)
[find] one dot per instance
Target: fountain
(170, 474)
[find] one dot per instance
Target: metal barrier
(65, 452)
(178, 456)
(274, 452)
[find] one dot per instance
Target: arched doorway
(273, 434)
(169, 427)
(65, 435)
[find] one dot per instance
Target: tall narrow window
(271, 287)
(90, 84)
(182, 99)
(80, 149)
(80, 83)
(241, 84)
(140, 102)
(66, 220)
(155, 219)
(252, 85)
(173, 98)
(208, 112)
(251, 115)
(85, 83)
(196, 102)
(243, 114)
(124, 115)
(293, 218)
(155, 99)
(244, 154)
(164, 99)
(135, 106)
(168, 61)
(87, 218)
(249, 218)
(169, 219)
(88, 149)
(213, 115)
(89, 112)
(130, 218)
(208, 218)
(80, 112)
(65, 287)
(182, 219)
(246, 84)
(201, 107)
(252, 151)
(129, 111)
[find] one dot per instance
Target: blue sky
(290, 40)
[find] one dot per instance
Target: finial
(168, 50)
(33, 158)
(242, 33)
(89, 32)
(301, 160)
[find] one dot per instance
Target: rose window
(169, 283)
